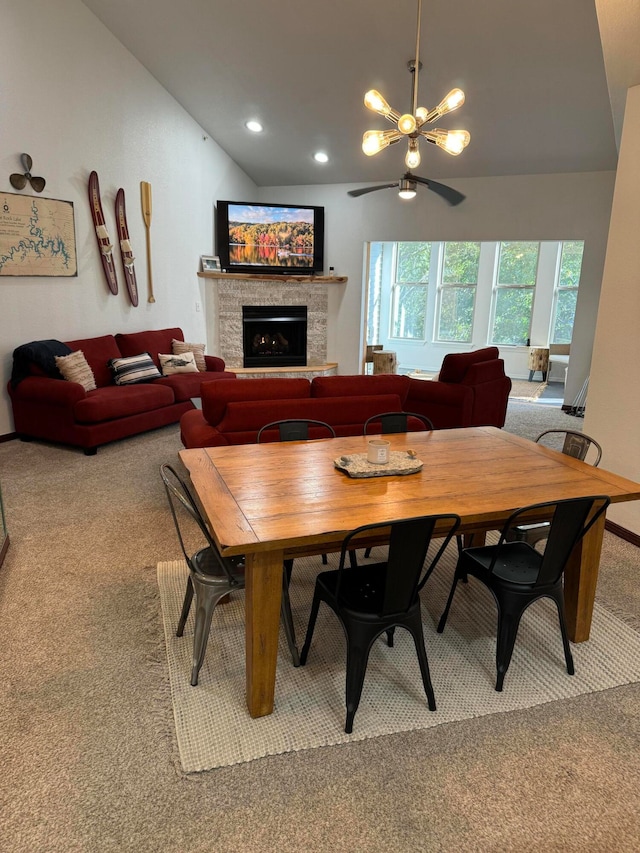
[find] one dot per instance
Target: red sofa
(233, 412)
(53, 409)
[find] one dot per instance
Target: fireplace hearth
(274, 335)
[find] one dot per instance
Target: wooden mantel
(319, 279)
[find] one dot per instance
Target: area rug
(213, 726)
(521, 389)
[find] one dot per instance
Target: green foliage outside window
(413, 262)
(460, 268)
(567, 294)
(518, 263)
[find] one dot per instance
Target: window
(566, 292)
(513, 298)
(409, 291)
(457, 291)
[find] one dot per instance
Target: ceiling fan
(407, 188)
(412, 127)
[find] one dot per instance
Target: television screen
(259, 238)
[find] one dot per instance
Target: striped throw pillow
(75, 368)
(133, 369)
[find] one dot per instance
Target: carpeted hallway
(88, 751)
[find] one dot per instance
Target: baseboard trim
(622, 533)
(9, 436)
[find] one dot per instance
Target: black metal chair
(374, 599)
(571, 443)
(294, 429)
(391, 422)
(517, 574)
(211, 576)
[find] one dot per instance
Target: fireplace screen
(274, 335)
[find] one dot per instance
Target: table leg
(580, 580)
(263, 592)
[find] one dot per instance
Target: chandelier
(411, 125)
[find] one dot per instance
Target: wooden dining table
(278, 500)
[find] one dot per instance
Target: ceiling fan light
(254, 126)
(407, 195)
(374, 141)
(406, 123)
(452, 141)
(412, 159)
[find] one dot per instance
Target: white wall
(536, 207)
(613, 405)
(73, 98)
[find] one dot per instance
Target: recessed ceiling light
(321, 157)
(254, 126)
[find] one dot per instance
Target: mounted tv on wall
(275, 239)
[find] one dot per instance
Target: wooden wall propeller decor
(20, 181)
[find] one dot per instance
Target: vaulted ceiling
(537, 99)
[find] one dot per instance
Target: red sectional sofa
(476, 394)
(56, 410)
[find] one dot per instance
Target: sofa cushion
(153, 342)
(113, 402)
(134, 369)
(185, 386)
(455, 365)
(217, 395)
(360, 386)
(98, 352)
(180, 347)
(75, 368)
(183, 363)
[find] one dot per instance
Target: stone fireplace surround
(225, 314)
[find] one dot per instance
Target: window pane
(413, 262)
(461, 262)
(518, 263)
(571, 263)
(512, 321)
(456, 314)
(565, 313)
(409, 312)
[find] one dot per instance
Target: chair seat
(518, 563)
(207, 564)
(361, 590)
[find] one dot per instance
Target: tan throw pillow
(75, 368)
(184, 363)
(179, 347)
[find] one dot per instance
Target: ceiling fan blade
(356, 193)
(448, 193)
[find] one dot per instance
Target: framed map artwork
(37, 236)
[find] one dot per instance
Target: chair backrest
(408, 545)
(575, 444)
(181, 500)
(569, 519)
(295, 429)
(391, 422)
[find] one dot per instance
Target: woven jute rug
(214, 728)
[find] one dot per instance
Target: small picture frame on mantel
(210, 263)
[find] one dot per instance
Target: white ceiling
(537, 100)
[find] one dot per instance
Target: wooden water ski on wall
(125, 248)
(102, 235)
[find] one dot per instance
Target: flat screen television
(278, 239)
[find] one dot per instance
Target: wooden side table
(538, 360)
(385, 361)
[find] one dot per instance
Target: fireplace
(274, 335)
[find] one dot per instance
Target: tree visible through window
(457, 291)
(566, 292)
(409, 292)
(516, 283)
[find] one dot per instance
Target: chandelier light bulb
(452, 141)
(406, 123)
(412, 158)
(422, 114)
(374, 141)
(374, 101)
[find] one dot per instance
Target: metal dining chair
(211, 576)
(517, 574)
(393, 422)
(376, 599)
(571, 443)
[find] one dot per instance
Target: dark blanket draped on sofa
(42, 354)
